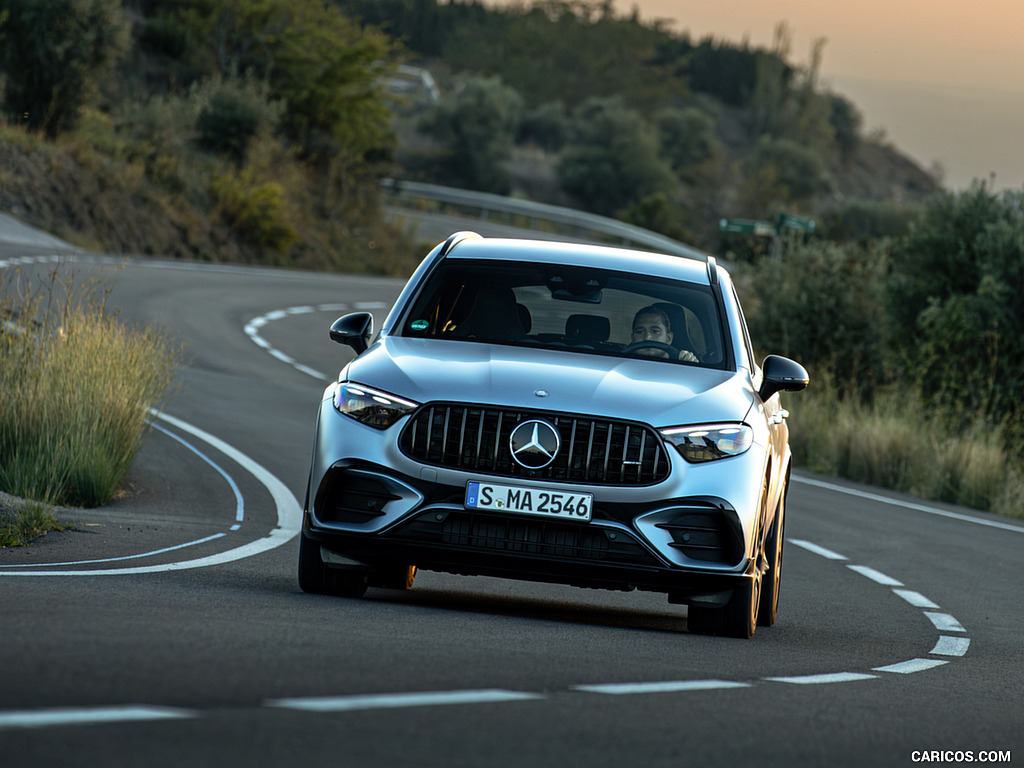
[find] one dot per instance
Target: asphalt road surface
(168, 628)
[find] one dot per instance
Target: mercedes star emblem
(534, 444)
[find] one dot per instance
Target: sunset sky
(943, 78)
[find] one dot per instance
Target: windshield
(569, 308)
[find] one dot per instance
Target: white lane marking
(911, 666)
(399, 700)
(916, 599)
(252, 330)
(289, 517)
(951, 646)
(88, 716)
(669, 686)
(834, 677)
(811, 547)
(117, 559)
(239, 501)
(944, 622)
(908, 504)
(876, 576)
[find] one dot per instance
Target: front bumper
(365, 515)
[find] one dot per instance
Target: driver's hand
(688, 356)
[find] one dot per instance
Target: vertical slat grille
(593, 451)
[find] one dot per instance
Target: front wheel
(317, 578)
(769, 610)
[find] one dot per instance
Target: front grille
(593, 451)
(525, 536)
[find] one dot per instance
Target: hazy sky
(943, 78)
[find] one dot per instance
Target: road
(168, 628)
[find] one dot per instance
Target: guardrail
(484, 204)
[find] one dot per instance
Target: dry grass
(898, 443)
(76, 387)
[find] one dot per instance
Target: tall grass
(896, 442)
(76, 386)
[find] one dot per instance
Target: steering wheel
(672, 352)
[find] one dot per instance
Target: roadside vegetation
(258, 131)
(76, 390)
(916, 350)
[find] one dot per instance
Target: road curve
(168, 629)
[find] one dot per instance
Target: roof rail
(712, 270)
(455, 239)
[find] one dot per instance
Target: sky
(944, 79)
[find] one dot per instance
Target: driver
(652, 324)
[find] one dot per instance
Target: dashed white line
(812, 547)
(400, 700)
(876, 576)
(916, 599)
(88, 716)
(951, 646)
(944, 622)
(911, 666)
(669, 686)
(826, 679)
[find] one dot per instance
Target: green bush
(254, 210)
(235, 113)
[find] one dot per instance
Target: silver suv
(562, 413)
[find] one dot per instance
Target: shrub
(76, 387)
(254, 210)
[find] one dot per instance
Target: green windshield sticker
(419, 325)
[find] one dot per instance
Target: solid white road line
(908, 504)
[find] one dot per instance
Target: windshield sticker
(419, 325)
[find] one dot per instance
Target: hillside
(619, 118)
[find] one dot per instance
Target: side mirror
(780, 374)
(353, 330)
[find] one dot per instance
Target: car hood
(656, 393)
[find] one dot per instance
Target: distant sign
(766, 228)
(799, 223)
(747, 227)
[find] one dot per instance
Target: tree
(957, 297)
(54, 54)
(476, 130)
(612, 158)
(688, 140)
(325, 67)
(781, 172)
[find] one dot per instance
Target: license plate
(529, 501)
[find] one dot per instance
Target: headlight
(370, 406)
(708, 442)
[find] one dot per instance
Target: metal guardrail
(536, 213)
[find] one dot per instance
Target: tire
(318, 579)
(739, 616)
(768, 612)
(396, 577)
(703, 621)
